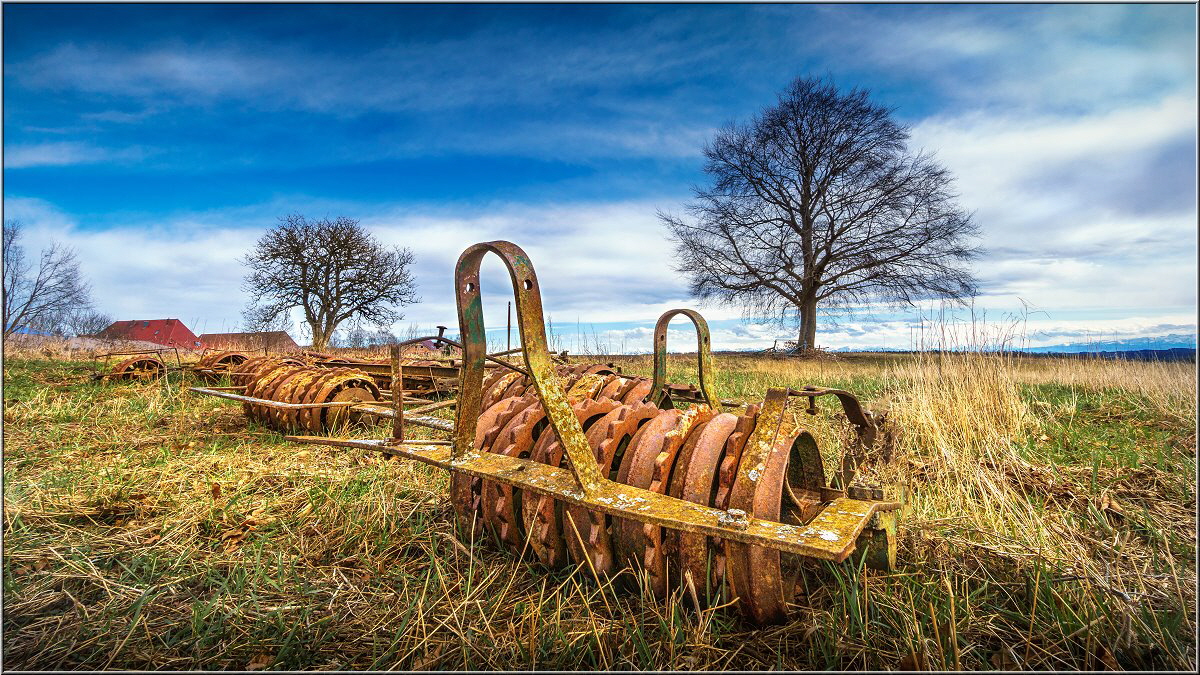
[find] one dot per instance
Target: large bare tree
(333, 270)
(817, 201)
(39, 299)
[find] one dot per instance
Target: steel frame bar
(272, 404)
(703, 357)
(846, 518)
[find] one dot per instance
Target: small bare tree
(818, 202)
(40, 299)
(333, 270)
(87, 321)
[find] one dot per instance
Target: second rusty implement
(605, 472)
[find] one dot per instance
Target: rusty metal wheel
(221, 363)
(586, 387)
(637, 391)
(138, 369)
(695, 480)
(500, 503)
(494, 392)
(310, 418)
(638, 461)
(726, 474)
(357, 386)
(318, 417)
(465, 489)
(282, 391)
(612, 385)
(654, 546)
(543, 515)
(246, 370)
(787, 490)
(609, 438)
(264, 386)
(289, 418)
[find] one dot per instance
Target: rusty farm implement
(585, 466)
(135, 365)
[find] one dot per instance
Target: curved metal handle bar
(853, 409)
(864, 425)
(703, 357)
(532, 329)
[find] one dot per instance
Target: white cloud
(65, 153)
(604, 270)
(1061, 232)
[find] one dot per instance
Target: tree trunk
(808, 325)
(319, 338)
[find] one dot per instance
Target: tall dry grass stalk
(962, 415)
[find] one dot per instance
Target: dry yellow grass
(148, 528)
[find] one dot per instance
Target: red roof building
(169, 332)
(275, 340)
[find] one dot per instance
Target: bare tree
(818, 202)
(257, 323)
(86, 321)
(334, 270)
(40, 299)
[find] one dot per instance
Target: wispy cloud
(1071, 130)
(65, 153)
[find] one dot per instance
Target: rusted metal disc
(310, 418)
(283, 393)
(612, 385)
(519, 387)
(609, 437)
(627, 536)
(319, 417)
(139, 368)
(301, 418)
(490, 377)
(542, 514)
(290, 417)
(726, 475)
(597, 369)
(568, 375)
(501, 503)
(495, 392)
(261, 385)
(246, 370)
(355, 390)
(465, 489)
(637, 391)
(654, 556)
(755, 572)
(222, 362)
(695, 480)
(588, 412)
(586, 387)
(268, 386)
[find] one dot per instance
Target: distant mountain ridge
(1161, 342)
(1171, 347)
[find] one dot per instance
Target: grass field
(1048, 523)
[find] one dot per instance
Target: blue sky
(161, 140)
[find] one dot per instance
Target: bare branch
(40, 300)
(817, 200)
(333, 270)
